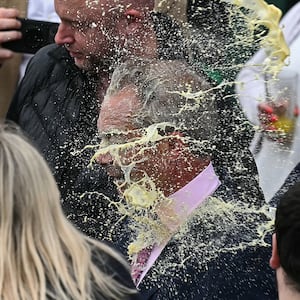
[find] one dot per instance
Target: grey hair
(170, 91)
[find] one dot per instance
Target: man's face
(89, 29)
(163, 158)
(116, 126)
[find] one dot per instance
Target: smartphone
(35, 35)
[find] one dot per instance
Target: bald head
(99, 32)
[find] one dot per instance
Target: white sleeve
(250, 86)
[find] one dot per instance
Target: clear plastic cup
(282, 95)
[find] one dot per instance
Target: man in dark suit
(160, 127)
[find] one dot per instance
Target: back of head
(41, 253)
(287, 228)
(29, 196)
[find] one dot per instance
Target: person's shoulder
(293, 10)
(48, 56)
(290, 23)
(49, 65)
(105, 257)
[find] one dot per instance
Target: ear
(138, 35)
(274, 260)
(134, 19)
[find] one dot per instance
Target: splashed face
(89, 30)
(130, 151)
(115, 125)
(134, 154)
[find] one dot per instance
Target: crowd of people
(121, 75)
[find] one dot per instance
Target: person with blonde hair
(42, 256)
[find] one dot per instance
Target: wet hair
(287, 228)
(171, 92)
(205, 14)
(42, 255)
(169, 36)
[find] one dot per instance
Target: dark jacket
(55, 105)
(212, 257)
(56, 108)
(117, 271)
(242, 275)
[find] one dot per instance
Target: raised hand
(8, 30)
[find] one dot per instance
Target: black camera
(35, 35)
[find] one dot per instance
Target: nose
(64, 35)
(105, 159)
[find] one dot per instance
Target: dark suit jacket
(242, 275)
(204, 260)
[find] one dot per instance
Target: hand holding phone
(35, 35)
(9, 30)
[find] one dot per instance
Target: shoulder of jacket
(49, 62)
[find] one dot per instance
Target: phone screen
(35, 35)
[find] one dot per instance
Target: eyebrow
(110, 134)
(69, 22)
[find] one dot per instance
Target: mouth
(75, 54)
(114, 172)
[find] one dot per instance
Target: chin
(93, 64)
(82, 63)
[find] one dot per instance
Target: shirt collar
(185, 201)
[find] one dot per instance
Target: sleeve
(250, 81)
(117, 270)
(35, 78)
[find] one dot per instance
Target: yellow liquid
(285, 125)
(216, 216)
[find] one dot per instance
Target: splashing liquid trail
(274, 43)
(223, 226)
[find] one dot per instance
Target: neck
(183, 172)
(103, 85)
(285, 291)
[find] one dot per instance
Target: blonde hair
(42, 255)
